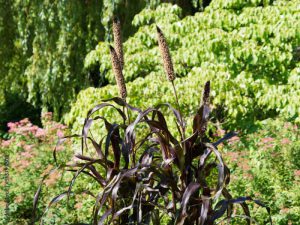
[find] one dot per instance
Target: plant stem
(128, 115)
(175, 93)
(129, 122)
(124, 120)
(178, 105)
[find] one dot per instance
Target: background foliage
(47, 41)
(246, 49)
(265, 164)
(44, 43)
(30, 158)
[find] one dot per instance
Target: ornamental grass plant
(148, 174)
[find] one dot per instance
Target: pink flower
(78, 205)
(52, 178)
(21, 143)
(5, 143)
(265, 147)
(33, 129)
(220, 133)
(40, 133)
(267, 139)
(244, 165)
(58, 126)
(47, 170)
(233, 155)
(248, 175)
(26, 155)
(28, 147)
(297, 173)
(285, 141)
(28, 129)
(60, 134)
(75, 159)
(21, 164)
(284, 210)
(24, 121)
(234, 139)
(59, 148)
(11, 125)
(19, 199)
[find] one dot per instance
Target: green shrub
(266, 164)
(247, 53)
(29, 150)
(248, 110)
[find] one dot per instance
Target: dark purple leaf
(59, 142)
(104, 216)
(225, 138)
(113, 137)
(202, 115)
(222, 205)
(189, 191)
(100, 106)
(122, 102)
(204, 209)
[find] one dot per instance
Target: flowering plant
(27, 155)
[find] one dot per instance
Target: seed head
(205, 95)
(118, 40)
(202, 115)
(164, 50)
(118, 73)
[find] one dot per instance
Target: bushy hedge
(29, 157)
(239, 103)
(266, 164)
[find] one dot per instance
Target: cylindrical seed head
(206, 92)
(202, 116)
(118, 40)
(116, 66)
(164, 50)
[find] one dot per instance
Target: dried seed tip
(116, 66)
(118, 40)
(158, 29)
(206, 92)
(164, 50)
